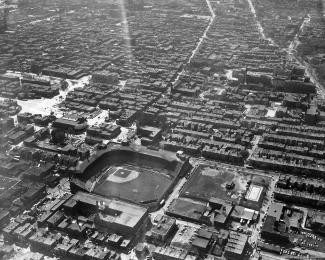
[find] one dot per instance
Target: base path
(122, 175)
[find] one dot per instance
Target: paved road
(292, 55)
(255, 142)
(175, 194)
(310, 71)
(198, 46)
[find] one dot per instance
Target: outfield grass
(147, 186)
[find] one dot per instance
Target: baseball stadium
(133, 174)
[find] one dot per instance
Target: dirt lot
(207, 182)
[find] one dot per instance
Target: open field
(133, 184)
(207, 182)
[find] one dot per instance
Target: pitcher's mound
(122, 175)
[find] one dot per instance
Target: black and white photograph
(162, 129)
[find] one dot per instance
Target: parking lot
(307, 240)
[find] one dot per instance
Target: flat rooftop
(254, 193)
(130, 215)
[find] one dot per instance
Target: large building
(163, 228)
(220, 210)
(274, 228)
(169, 253)
(72, 126)
(110, 214)
(241, 213)
(236, 245)
(316, 221)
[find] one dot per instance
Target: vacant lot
(207, 182)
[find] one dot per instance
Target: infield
(133, 184)
(121, 175)
(133, 173)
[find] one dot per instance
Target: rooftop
(254, 193)
(129, 214)
(275, 210)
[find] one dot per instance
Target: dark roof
(203, 233)
(272, 226)
(236, 243)
(201, 243)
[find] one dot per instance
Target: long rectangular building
(118, 216)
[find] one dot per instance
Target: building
(105, 77)
(62, 248)
(19, 133)
(316, 221)
(254, 197)
(220, 211)
(38, 173)
(70, 125)
(269, 247)
(4, 217)
(192, 211)
(240, 213)
(149, 134)
(293, 86)
(127, 117)
(162, 229)
(111, 214)
(184, 237)
(6, 124)
(203, 241)
(301, 192)
(105, 132)
(274, 228)
(169, 253)
(44, 241)
(236, 245)
(201, 244)
(141, 250)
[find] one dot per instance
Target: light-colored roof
(130, 214)
(275, 210)
(254, 193)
